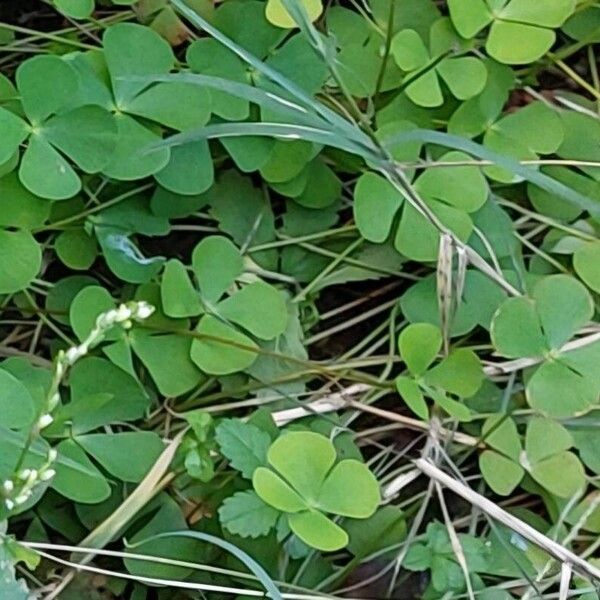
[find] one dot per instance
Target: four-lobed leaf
(458, 374)
(521, 31)
(306, 484)
(465, 76)
(546, 456)
(539, 326)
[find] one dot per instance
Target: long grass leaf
(528, 173)
(278, 130)
(292, 88)
(252, 565)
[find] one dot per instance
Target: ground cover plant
(299, 299)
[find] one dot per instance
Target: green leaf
(128, 455)
(10, 587)
(86, 484)
(561, 474)
(411, 393)
(409, 50)
(463, 187)
(259, 308)
(376, 203)
(304, 459)
(191, 111)
(20, 260)
(16, 403)
(564, 306)
(19, 207)
(545, 438)
(350, 490)
(558, 391)
(76, 9)
(459, 373)
(224, 350)
(245, 514)
(318, 531)
(322, 188)
(277, 14)
(469, 18)
(190, 169)
(46, 173)
(245, 445)
(529, 11)
(516, 329)
(276, 492)
(87, 135)
(14, 132)
(47, 83)
(167, 358)
(85, 308)
(134, 156)
(124, 258)
(500, 432)
(419, 344)
(586, 262)
(517, 43)
(76, 249)
(385, 528)
(209, 57)
(232, 18)
(118, 396)
(465, 76)
(153, 56)
(178, 295)
(217, 263)
(502, 474)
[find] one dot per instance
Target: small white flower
(106, 320)
(44, 421)
(9, 504)
(52, 455)
(123, 313)
(47, 474)
(143, 310)
(22, 498)
(33, 475)
(24, 474)
(8, 486)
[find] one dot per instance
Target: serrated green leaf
(245, 445)
(245, 514)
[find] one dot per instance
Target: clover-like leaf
(546, 456)
(217, 263)
(419, 344)
(304, 459)
(306, 484)
(20, 260)
(586, 262)
(84, 134)
(450, 192)
(317, 530)
(459, 373)
(220, 349)
(538, 327)
(465, 76)
(338, 492)
(76, 9)
(179, 297)
(521, 30)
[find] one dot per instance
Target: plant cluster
(260, 260)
